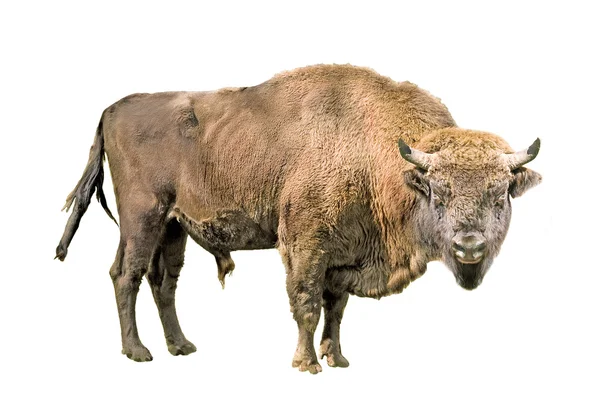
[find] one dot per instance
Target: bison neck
(398, 250)
(406, 245)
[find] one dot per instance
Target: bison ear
(415, 178)
(523, 180)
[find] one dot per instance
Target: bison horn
(520, 158)
(419, 158)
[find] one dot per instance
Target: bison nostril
(457, 247)
(479, 247)
(459, 250)
(478, 250)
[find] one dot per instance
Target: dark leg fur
(162, 277)
(140, 234)
(126, 274)
(333, 305)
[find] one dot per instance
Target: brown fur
(306, 162)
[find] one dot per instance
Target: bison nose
(469, 248)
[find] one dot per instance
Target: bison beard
(357, 180)
(469, 276)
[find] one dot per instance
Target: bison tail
(90, 182)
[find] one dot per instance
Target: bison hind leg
(162, 276)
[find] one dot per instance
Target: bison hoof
(336, 360)
(334, 355)
(137, 353)
(309, 365)
(182, 349)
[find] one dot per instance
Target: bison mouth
(468, 274)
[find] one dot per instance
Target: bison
(357, 180)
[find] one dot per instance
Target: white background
(521, 70)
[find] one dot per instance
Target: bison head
(464, 180)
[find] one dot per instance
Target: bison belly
(227, 231)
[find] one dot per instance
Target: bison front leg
(305, 277)
(333, 304)
(162, 277)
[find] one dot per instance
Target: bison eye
(500, 200)
(439, 207)
(438, 202)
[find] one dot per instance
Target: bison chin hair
(468, 276)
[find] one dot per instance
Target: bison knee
(116, 270)
(306, 309)
(310, 321)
